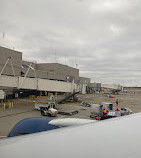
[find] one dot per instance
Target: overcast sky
(101, 37)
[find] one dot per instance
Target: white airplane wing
(113, 138)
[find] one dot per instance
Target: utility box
(1, 94)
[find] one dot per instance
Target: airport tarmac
(24, 108)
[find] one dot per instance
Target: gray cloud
(103, 37)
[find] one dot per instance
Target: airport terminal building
(52, 71)
(53, 75)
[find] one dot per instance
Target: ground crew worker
(117, 102)
(117, 109)
(105, 112)
(98, 118)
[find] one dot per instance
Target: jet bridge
(36, 84)
(19, 82)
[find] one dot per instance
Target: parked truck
(97, 109)
(47, 107)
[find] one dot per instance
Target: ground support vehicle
(51, 112)
(125, 111)
(47, 108)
